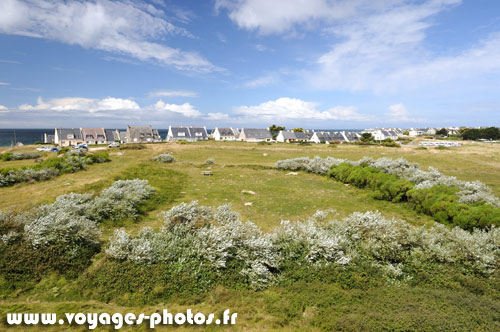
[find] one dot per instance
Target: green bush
(440, 201)
(386, 187)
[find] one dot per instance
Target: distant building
(112, 136)
(290, 136)
(48, 138)
(93, 135)
(142, 134)
(382, 134)
(189, 134)
(334, 136)
(225, 134)
(68, 137)
(255, 135)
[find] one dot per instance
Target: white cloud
(3, 83)
(265, 80)
(218, 117)
(123, 27)
(399, 113)
(296, 109)
(2, 107)
(374, 45)
(279, 16)
(173, 93)
(82, 104)
(185, 109)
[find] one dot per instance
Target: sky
(249, 63)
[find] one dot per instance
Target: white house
(225, 134)
(290, 136)
(187, 134)
(255, 135)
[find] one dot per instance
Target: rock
(19, 144)
(248, 204)
(119, 154)
(248, 192)
(346, 184)
(292, 173)
(265, 154)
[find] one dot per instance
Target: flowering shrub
(217, 238)
(164, 158)
(121, 200)
(470, 192)
(316, 165)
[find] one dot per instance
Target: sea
(9, 137)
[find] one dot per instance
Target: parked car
(44, 148)
(81, 146)
(54, 150)
(114, 145)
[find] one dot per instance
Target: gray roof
(174, 131)
(351, 136)
(337, 136)
(112, 135)
(63, 133)
(301, 135)
(226, 132)
(198, 132)
(288, 134)
(257, 133)
(140, 132)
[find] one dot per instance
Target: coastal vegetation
(311, 252)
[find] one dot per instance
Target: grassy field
(243, 176)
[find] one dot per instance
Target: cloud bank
(132, 28)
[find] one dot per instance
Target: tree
(274, 129)
(300, 130)
(490, 133)
(366, 137)
(442, 132)
(471, 134)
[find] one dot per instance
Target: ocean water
(9, 137)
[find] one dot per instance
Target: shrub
(470, 192)
(120, 201)
(50, 167)
(219, 244)
(8, 156)
(133, 146)
(210, 161)
(164, 158)
(386, 187)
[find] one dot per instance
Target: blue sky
(300, 63)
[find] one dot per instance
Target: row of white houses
(145, 134)
(75, 136)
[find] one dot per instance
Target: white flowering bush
(121, 200)
(470, 192)
(164, 158)
(218, 239)
(72, 220)
(316, 165)
(62, 228)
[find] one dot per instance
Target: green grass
(327, 302)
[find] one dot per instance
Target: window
(198, 134)
(181, 134)
(70, 136)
